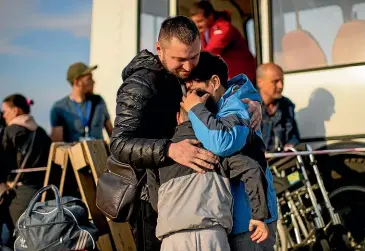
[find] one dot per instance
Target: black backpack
(55, 225)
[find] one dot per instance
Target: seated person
(225, 133)
(279, 127)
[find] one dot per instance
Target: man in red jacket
(220, 37)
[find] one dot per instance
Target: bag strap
(37, 196)
(26, 157)
(95, 99)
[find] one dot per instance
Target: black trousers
(145, 228)
(20, 203)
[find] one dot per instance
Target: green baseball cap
(78, 70)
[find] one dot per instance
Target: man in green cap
(82, 114)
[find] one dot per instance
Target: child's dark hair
(208, 66)
(19, 101)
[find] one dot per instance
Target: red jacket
(225, 40)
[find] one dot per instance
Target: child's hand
(261, 231)
(192, 99)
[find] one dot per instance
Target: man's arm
(291, 127)
(128, 147)
(4, 159)
(107, 123)
(109, 127)
(220, 39)
(225, 133)
(8, 150)
(57, 134)
(125, 143)
(57, 125)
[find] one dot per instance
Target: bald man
(279, 127)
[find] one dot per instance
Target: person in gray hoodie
(194, 209)
(19, 131)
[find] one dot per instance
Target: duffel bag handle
(37, 196)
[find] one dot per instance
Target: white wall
(113, 44)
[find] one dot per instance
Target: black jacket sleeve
(250, 172)
(4, 167)
(126, 144)
(9, 156)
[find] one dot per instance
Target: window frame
(139, 21)
(271, 49)
(255, 16)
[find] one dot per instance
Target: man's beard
(89, 94)
(175, 73)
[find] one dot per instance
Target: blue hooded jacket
(225, 134)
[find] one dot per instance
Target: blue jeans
(6, 226)
(243, 242)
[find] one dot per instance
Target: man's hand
(192, 99)
(287, 147)
(255, 108)
(187, 154)
(261, 230)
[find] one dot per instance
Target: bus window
(317, 33)
(153, 12)
(250, 31)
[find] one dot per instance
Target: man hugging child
(195, 211)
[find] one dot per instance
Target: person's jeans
(6, 226)
(5, 235)
(243, 242)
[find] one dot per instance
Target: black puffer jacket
(147, 103)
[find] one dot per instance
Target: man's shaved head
(180, 27)
(270, 81)
(264, 68)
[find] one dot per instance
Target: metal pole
(29, 170)
(315, 152)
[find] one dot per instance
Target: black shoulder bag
(117, 190)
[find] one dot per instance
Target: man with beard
(82, 114)
(147, 102)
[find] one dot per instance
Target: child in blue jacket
(226, 133)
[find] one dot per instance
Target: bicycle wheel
(349, 202)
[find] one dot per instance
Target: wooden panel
(86, 184)
(78, 157)
(122, 236)
(97, 156)
(104, 243)
(61, 151)
(88, 161)
(58, 158)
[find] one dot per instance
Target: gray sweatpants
(243, 242)
(208, 239)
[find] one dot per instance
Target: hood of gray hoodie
(26, 121)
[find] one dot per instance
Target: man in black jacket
(147, 102)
